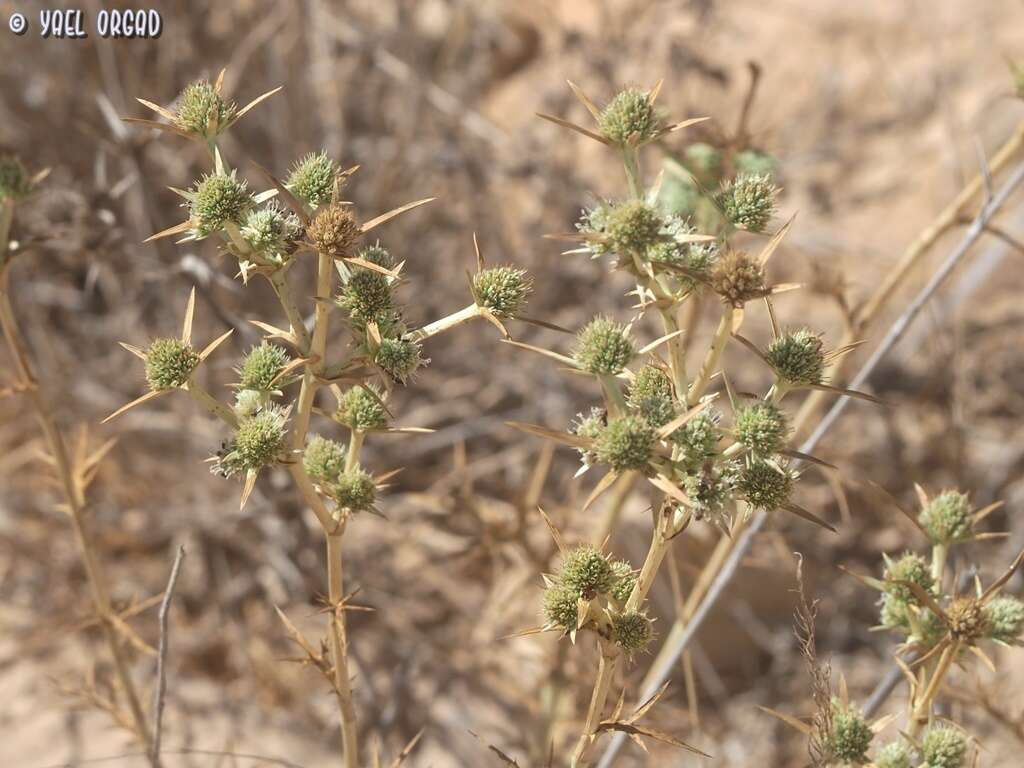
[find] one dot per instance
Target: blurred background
(876, 114)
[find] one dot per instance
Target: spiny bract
(169, 363)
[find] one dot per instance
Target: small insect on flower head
(589, 425)
(749, 201)
(323, 459)
(797, 357)
(218, 199)
(312, 179)
(738, 277)
(334, 231)
(202, 111)
(943, 747)
(169, 363)
(762, 428)
(587, 572)
(262, 366)
(603, 347)
(361, 409)
(626, 443)
(630, 118)
(502, 290)
(631, 631)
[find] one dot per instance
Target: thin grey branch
(161, 659)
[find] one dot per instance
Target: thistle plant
(279, 380)
(658, 420)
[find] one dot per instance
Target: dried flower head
(14, 179)
(259, 439)
(968, 619)
(762, 427)
(502, 290)
(947, 518)
(1004, 615)
(764, 485)
(354, 490)
(399, 358)
(943, 747)
(631, 631)
(312, 179)
(262, 366)
(632, 227)
(850, 735)
(202, 111)
(271, 231)
(169, 363)
(323, 459)
(334, 231)
(560, 607)
(738, 277)
(361, 409)
(630, 118)
(749, 201)
(894, 755)
(603, 347)
(797, 357)
(218, 199)
(587, 572)
(625, 580)
(627, 442)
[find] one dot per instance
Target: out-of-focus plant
(268, 424)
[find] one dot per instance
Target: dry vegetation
(878, 119)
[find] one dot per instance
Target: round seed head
(323, 459)
(218, 199)
(560, 607)
(587, 572)
(399, 358)
(947, 518)
(749, 201)
(762, 427)
(698, 438)
(261, 367)
(502, 290)
(334, 231)
(202, 111)
(943, 747)
(632, 631)
(626, 443)
(894, 755)
(650, 395)
(968, 619)
(625, 580)
(910, 567)
(361, 409)
(379, 255)
(169, 363)
(14, 179)
(850, 736)
(354, 491)
(704, 160)
(603, 347)
(271, 230)
(797, 357)
(1005, 618)
(738, 277)
(630, 118)
(753, 162)
(259, 439)
(764, 486)
(312, 179)
(367, 297)
(632, 227)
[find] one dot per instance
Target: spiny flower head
(367, 297)
(589, 426)
(323, 459)
(502, 290)
(334, 231)
(14, 180)
(764, 485)
(630, 118)
(697, 438)
(379, 255)
(710, 488)
(271, 231)
(587, 572)
(399, 358)
(361, 409)
(632, 631)
(797, 357)
(762, 428)
(261, 367)
(943, 747)
(737, 277)
(218, 199)
(560, 607)
(259, 439)
(749, 201)
(650, 395)
(968, 619)
(850, 736)
(169, 363)
(202, 111)
(1004, 615)
(248, 401)
(632, 227)
(893, 755)
(603, 347)
(625, 580)
(354, 490)
(947, 518)
(626, 443)
(312, 179)
(912, 568)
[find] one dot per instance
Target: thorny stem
(710, 361)
(74, 494)
(445, 323)
(598, 699)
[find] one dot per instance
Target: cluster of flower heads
(590, 591)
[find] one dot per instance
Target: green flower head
(749, 201)
(361, 409)
(587, 572)
(704, 160)
(943, 747)
(797, 357)
(312, 179)
(698, 438)
(218, 199)
(560, 607)
(367, 297)
(354, 490)
(625, 580)
(399, 358)
(1005, 618)
(762, 428)
(271, 231)
(262, 366)
(203, 112)
(603, 347)
(589, 425)
(894, 755)
(169, 363)
(632, 227)
(632, 631)
(630, 118)
(850, 736)
(502, 290)
(764, 486)
(912, 568)
(650, 395)
(627, 442)
(260, 439)
(947, 518)
(323, 459)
